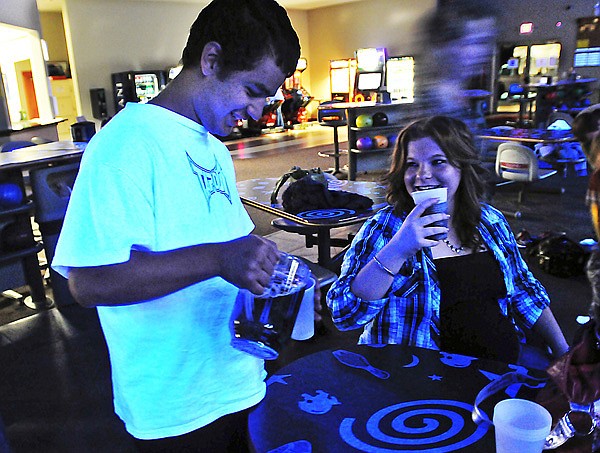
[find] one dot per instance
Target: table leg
(33, 277)
(324, 247)
(351, 165)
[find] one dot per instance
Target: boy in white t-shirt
(156, 238)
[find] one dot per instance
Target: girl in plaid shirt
(461, 294)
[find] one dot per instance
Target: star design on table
(435, 377)
(280, 378)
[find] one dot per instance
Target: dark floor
(55, 393)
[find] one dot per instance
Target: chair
(489, 148)
(518, 163)
(329, 115)
(559, 120)
(11, 146)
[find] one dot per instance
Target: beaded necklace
(455, 249)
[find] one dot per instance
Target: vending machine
(399, 78)
(370, 74)
(137, 86)
(342, 74)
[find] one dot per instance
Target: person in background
(462, 294)
(458, 40)
(156, 237)
(585, 127)
(593, 202)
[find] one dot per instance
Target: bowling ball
(381, 141)
(14, 237)
(380, 119)
(11, 195)
(364, 121)
(392, 140)
(364, 143)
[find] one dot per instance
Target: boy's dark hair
(247, 31)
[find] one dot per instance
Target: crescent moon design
(415, 362)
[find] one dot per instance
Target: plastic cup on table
(521, 426)
(304, 327)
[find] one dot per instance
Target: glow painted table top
(390, 398)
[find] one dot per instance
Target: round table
(386, 399)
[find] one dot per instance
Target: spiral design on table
(326, 213)
(423, 425)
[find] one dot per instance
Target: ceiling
(56, 5)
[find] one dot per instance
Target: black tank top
(471, 322)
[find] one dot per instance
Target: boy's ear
(209, 61)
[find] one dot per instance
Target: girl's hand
(414, 232)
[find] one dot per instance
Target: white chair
(559, 120)
(489, 148)
(516, 163)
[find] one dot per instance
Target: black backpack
(558, 255)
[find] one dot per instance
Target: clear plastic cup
(521, 426)
(304, 327)
(263, 324)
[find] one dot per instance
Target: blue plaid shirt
(409, 312)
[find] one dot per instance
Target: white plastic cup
(304, 328)
(521, 426)
(441, 206)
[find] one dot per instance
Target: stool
(330, 116)
(319, 236)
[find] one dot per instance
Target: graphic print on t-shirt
(212, 181)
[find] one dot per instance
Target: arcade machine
(137, 86)
(399, 78)
(296, 98)
(270, 121)
(342, 75)
(370, 75)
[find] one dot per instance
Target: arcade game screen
(400, 73)
(146, 86)
(369, 81)
(370, 72)
(371, 59)
(341, 78)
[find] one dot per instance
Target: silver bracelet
(383, 267)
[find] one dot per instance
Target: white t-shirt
(154, 180)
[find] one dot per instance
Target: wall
(113, 36)
(22, 13)
(53, 33)
(336, 32)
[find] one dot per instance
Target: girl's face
(427, 167)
